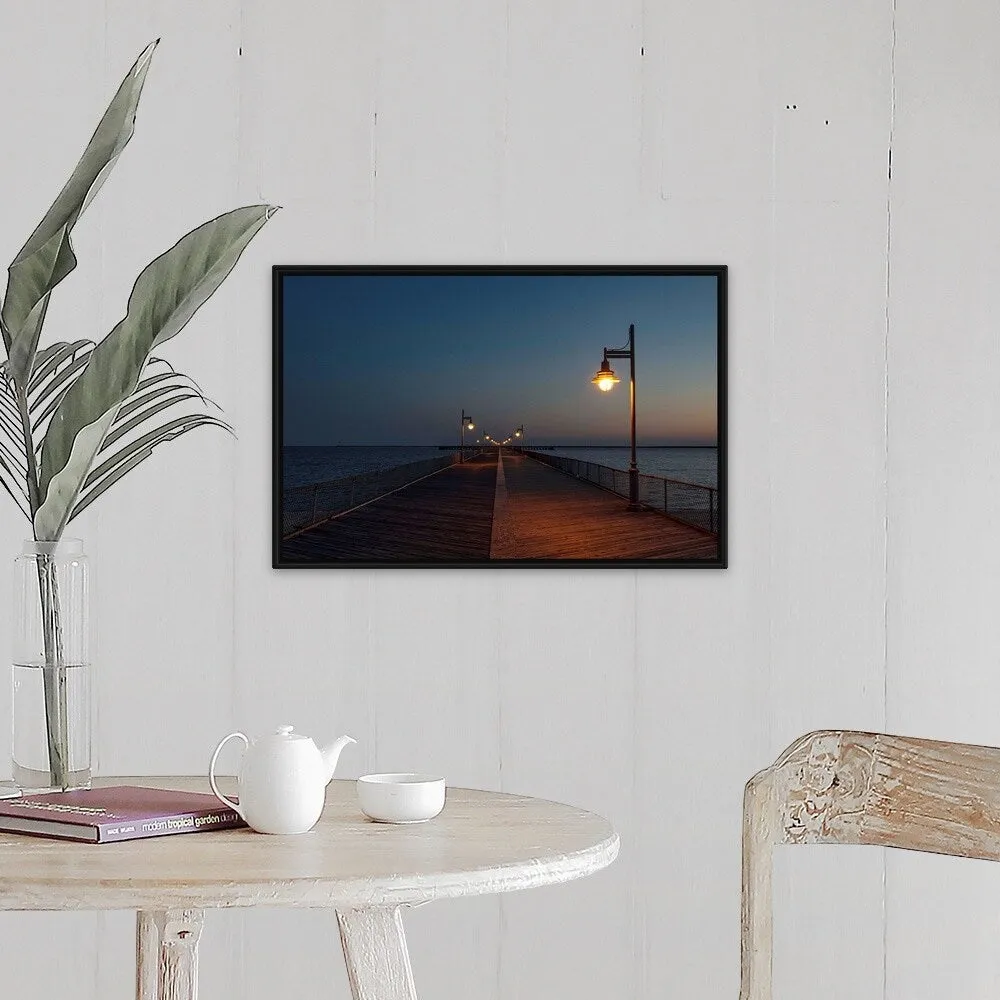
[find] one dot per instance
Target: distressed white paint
(863, 468)
(179, 932)
(147, 955)
(378, 964)
(850, 788)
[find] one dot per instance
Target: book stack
(115, 813)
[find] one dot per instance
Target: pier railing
(304, 506)
(688, 502)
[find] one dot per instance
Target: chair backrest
(836, 787)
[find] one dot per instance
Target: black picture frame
(718, 514)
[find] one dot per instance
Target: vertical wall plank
(944, 361)
(828, 452)
(566, 714)
(791, 192)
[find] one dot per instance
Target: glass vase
(51, 667)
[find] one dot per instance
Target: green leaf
(51, 394)
(48, 255)
(165, 296)
(64, 486)
(172, 382)
(120, 428)
(10, 417)
(47, 361)
(53, 373)
(13, 462)
(136, 452)
(13, 484)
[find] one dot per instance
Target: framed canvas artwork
(499, 416)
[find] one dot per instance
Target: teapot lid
(286, 733)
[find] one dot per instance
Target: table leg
(378, 965)
(167, 954)
(147, 955)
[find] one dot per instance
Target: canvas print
(499, 416)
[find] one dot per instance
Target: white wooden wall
(865, 462)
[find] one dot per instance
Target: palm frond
(13, 464)
(135, 452)
(48, 360)
(48, 387)
(151, 407)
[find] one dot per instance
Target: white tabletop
(482, 842)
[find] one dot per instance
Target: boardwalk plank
(555, 516)
(447, 517)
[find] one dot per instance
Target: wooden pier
(553, 516)
(499, 508)
(445, 517)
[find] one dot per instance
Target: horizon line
(538, 444)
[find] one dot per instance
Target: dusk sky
(376, 359)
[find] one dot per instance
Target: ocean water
(690, 465)
(306, 465)
(303, 465)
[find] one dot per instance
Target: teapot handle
(211, 774)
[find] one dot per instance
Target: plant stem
(54, 669)
(54, 674)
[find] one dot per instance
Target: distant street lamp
(519, 433)
(467, 425)
(606, 380)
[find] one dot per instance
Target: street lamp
(467, 425)
(606, 380)
(519, 433)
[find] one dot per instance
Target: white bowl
(401, 798)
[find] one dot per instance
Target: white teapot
(282, 780)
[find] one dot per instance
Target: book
(115, 813)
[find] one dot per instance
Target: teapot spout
(331, 754)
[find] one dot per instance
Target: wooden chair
(860, 788)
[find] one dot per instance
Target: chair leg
(756, 925)
(378, 964)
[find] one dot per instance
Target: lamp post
(606, 380)
(519, 433)
(467, 425)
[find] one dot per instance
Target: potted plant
(76, 416)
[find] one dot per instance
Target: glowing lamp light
(605, 379)
(470, 426)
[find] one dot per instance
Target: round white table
(482, 842)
